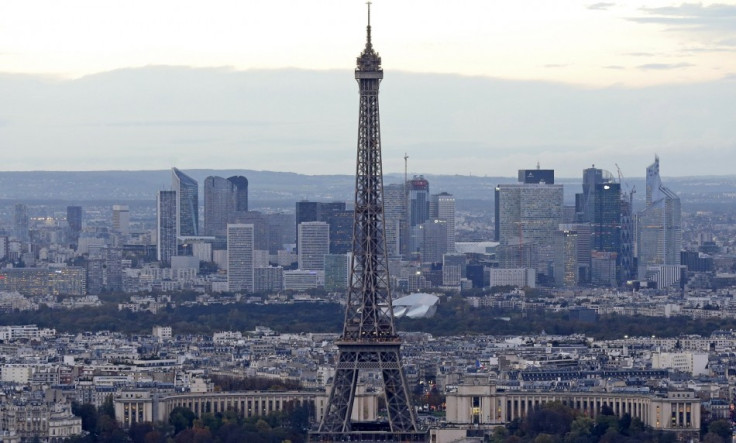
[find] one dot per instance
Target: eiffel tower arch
(369, 341)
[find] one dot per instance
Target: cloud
(692, 16)
(555, 65)
(613, 67)
(640, 54)
(602, 6)
(705, 49)
(664, 66)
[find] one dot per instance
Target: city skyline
(621, 84)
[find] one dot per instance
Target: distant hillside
(266, 186)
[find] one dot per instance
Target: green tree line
(454, 317)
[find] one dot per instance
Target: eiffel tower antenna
(369, 341)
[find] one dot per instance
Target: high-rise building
(240, 270)
(418, 211)
(606, 221)
(566, 258)
(217, 205)
(528, 214)
(584, 202)
(659, 232)
(20, 222)
(260, 225)
(223, 198)
(314, 244)
(166, 226)
(434, 243)
(121, 219)
(240, 186)
(418, 200)
(187, 203)
(537, 176)
(394, 210)
(74, 221)
(442, 207)
(335, 215)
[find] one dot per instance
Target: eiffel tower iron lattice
(369, 341)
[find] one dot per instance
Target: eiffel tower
(369, 341)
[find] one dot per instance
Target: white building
(520, 277)
(162, 332)
(314, 244)
(695, 363)
(302, 280)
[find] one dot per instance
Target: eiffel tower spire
(369, 341)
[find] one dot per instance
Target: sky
(630, 46)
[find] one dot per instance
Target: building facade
(314, 244)
(528, 214)
(240, 269)
(442, 207)
(482, 405)
(659, 229)
(166, 242)
(187, 204)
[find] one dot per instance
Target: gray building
(659, 233)
(187, 203)
(166, 226)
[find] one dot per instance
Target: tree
(107, 408)
(721, 428)
(138, 431)
(181, 418)
(88, 413)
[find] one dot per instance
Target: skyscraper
(240, 270)
(369, 341)
(442, 207)
(166, 226)
(187, 203)
(314, 244)
(528, 214)
(418, 211)
(566, 258)
(659, 227)
(536, 176)
(335, 215)
(222, 199)
(74, 218)
(434, 243)
(20, 222)
(240, 187)
(394, 211)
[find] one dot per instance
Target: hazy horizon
(305, 121)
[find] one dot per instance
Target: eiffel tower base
(381, 356)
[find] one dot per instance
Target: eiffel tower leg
(400, 414)
(340, 404)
